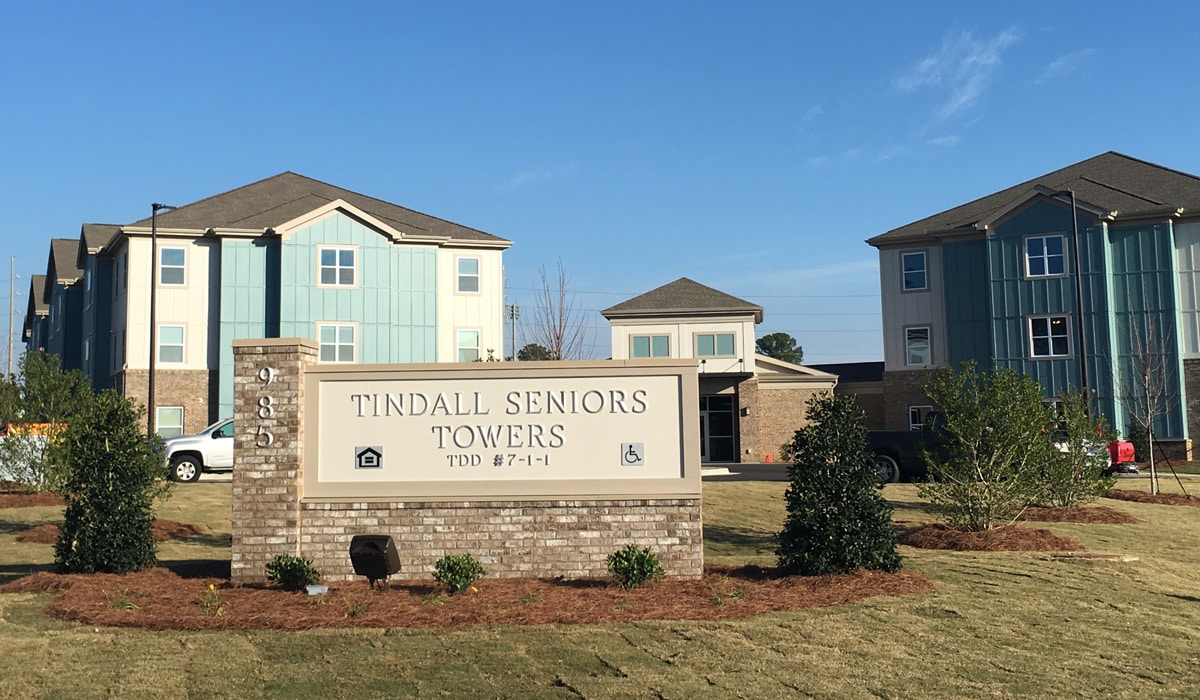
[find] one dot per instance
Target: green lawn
(998, 625)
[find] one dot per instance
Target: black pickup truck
(899, 454)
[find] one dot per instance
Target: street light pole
(154, 209)
(1075, 243)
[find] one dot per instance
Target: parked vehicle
(210, 450)
(900, 454)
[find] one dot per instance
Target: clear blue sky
(749, 146)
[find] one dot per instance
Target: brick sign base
(537, 538)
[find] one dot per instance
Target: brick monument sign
(536, 469)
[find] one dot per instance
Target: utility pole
(513, 312)
(12, 275)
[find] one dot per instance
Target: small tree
(113, 475)
(1074, 473)
(837, 521)
(780, 346)
(1147, 382)
(557, 326)
(994, 441)
(44, 394)
(533, 352)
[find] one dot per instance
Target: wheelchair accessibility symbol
(633, 454)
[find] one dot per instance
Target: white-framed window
(168, 420)
(336, 266)
(172, 266)
(468, 274)
(916, 347)
(170, 344)
(650, 346)
(468, 345)
(1049, 336)
(336, 342)
(913, 269)
(715, 345)
(917, 415)
(1045, 256)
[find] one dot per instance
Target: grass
(998, 625)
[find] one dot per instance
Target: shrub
(292, 573)
(997, 436)
(837, 521)
(1140, 437)
(631, 567)
(1074, 473)
(457, 573)
(113, 474)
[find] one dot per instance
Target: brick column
(268, 405)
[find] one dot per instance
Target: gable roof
(93, 237)
(276, 200)
(37, 305)
(683, 297)
(1121, 186)
(62, 267)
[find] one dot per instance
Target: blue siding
(968, 331)
(1014, 297)
(244, 306)
(393, 302)
(1144, 312)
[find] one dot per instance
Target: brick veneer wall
(901, 390)
(172, 387)
(568, 538)
(542, 537)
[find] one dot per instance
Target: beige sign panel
(524, 430)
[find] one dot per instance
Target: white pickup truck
(210, 450)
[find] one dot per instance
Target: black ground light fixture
(375, 557)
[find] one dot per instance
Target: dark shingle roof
(37, 305)
(276, 200)
(1110, 182)
(62, 268)
(853, 371)
(682, 297)
(93, 237)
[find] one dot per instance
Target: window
(168, 420)
(917, 415)
(124, 270)
(913, 265)
(1049, 336)
(1044, 256)
(468, 274)
(335, 267)
(171, 265)
(468, 346)
(650, 346)
(715, 345)
(916, 347)
(170, 344)
(336, 342)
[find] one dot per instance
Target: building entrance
(717, 440)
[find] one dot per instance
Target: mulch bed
(1166, 499)
(28, 500)
(158, 599)
(1083, 514)
(163, 530)
(1010, 538)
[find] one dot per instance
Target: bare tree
(1146, 380)
(557, 325)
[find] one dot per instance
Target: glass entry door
(717, 443)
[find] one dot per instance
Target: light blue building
(1014, 280)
